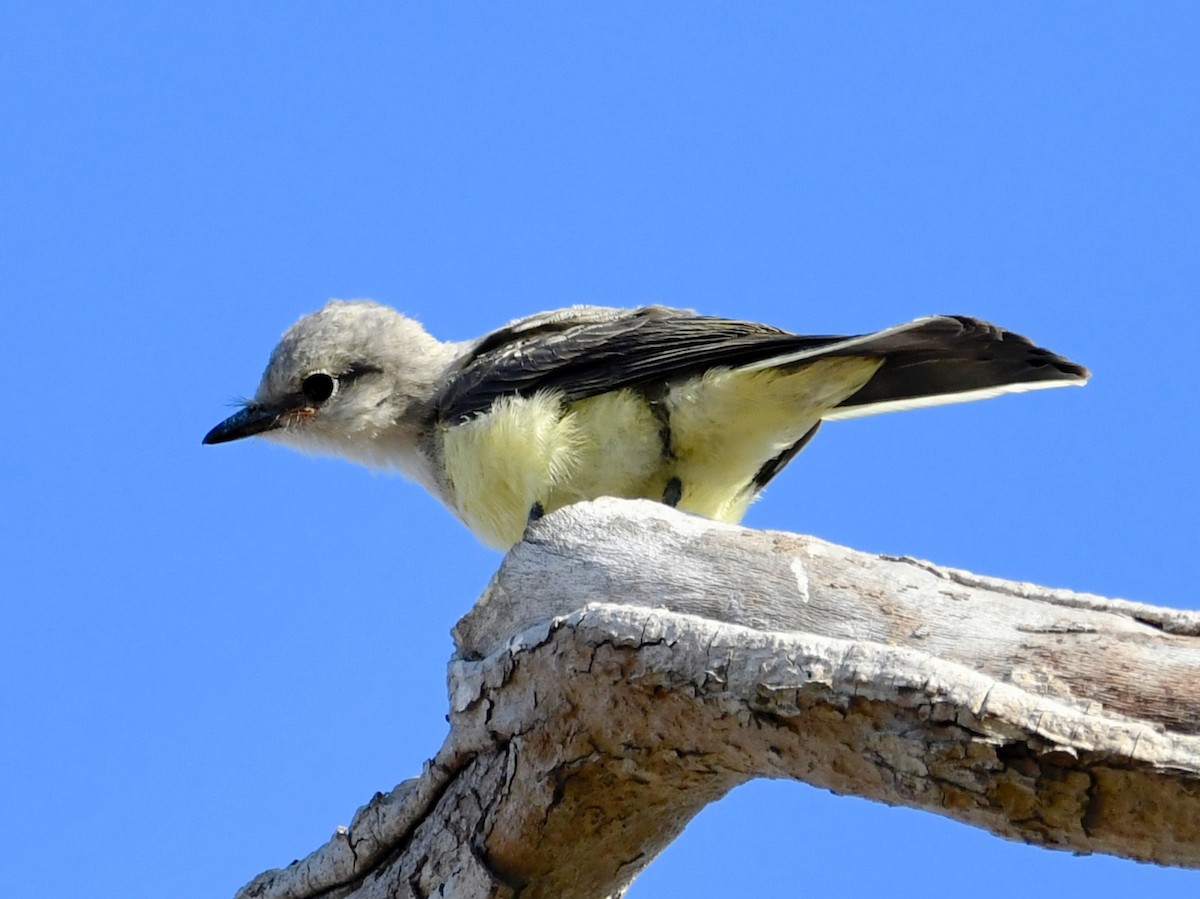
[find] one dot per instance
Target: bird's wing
(587, 351)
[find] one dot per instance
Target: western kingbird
(697, 412)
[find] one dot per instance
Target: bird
(694, 411)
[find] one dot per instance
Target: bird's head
(340, 380)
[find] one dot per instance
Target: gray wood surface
(629, 664)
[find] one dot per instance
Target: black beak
(254, 419)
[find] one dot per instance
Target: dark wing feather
(589, 355)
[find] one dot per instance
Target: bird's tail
(938, 360)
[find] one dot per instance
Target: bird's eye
(318, 387)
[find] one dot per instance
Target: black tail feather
(955, 354)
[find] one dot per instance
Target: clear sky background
(210, 656)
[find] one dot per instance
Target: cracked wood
(629, 664)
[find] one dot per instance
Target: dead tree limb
(629, 664)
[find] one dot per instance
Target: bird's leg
(536, 512)
(673, 492)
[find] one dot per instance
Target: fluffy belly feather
(710, 436)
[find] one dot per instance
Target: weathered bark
(629, 664)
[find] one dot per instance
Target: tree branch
(629, 664)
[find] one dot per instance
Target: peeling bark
(629, 664)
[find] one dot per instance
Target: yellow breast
(712, 434)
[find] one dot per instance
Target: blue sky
(210, 656)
